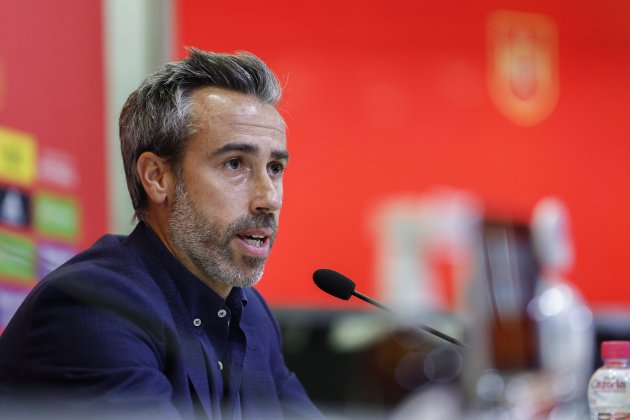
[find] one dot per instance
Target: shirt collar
(200, 300)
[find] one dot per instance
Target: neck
(161, 230)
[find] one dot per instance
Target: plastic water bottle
(609, 387)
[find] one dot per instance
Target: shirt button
(220, 365)
(222, 313)
(196, 322)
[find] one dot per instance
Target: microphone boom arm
(421, 326)
(372, 301)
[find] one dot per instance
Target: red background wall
(51, 92)
(387, 97)
(51, 86)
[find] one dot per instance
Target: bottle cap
(616, 350)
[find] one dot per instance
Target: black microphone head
(334, 283)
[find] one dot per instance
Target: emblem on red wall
(522, 65)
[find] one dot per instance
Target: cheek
(221, 204)
(205, 190)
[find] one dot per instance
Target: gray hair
(157, 117)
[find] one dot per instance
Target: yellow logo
(522, 65)
(17, 157)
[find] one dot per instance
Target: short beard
(209, 249)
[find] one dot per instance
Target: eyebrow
(250, 149)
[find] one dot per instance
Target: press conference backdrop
(483, 107)
(52, 150)
(404, 118)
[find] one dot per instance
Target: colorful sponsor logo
(58, 168)
(51, 256)
(17, 257)
(522, 65)
(56, 216)
(10, 301)
(17, 157)
(15, 208)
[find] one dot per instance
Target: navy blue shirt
(217, 324)
(124, 329)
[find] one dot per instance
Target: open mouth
(254, 240)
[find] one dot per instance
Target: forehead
(214, 107)
(226, 120)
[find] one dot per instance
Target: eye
(275, 168)
(234, 163)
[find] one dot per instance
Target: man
(164, 323)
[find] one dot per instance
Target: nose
(266, 194)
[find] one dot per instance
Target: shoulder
(108, 280)
(101, 297)
(109, 268)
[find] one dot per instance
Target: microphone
(340, 286)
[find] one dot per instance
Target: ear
(156, 176)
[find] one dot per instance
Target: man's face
(225, 212)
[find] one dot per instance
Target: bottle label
(611, 386)
(609, 395)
